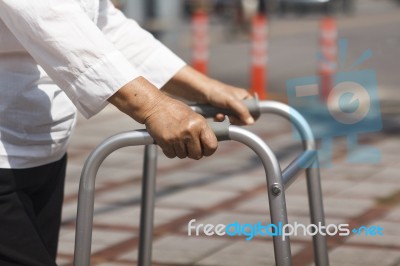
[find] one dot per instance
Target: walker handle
(211, 111)
(221, 129)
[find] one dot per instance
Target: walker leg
(276, 190)
(278, 215)
(312, 173)
(147, 205)
(317, 213)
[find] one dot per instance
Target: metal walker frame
(277, 181)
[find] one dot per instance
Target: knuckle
(167, 138)
(194, 127)
(197, 122)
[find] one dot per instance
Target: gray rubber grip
(211, 111)
(221, 129)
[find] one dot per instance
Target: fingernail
(250, 120)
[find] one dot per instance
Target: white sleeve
(73, 51)
(154, 61)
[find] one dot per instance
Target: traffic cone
(200, 41)
(259, 48)
(328, 61)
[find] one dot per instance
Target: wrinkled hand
(179, 131)
(228, 97)
(193, 86)
(173, 125)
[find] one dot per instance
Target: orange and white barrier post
(327, 64)
(259, 58)
(200, 41)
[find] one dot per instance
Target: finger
(235, 121)
(219, 118)
(241, 112)
(168, 150)
(209, 141)
(180, 149)
(194, 148)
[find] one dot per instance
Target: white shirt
(56, 55)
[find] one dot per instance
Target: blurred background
(293, 39)
(230, 186)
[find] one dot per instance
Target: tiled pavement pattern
(228, 187)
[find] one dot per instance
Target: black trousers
(30, 214)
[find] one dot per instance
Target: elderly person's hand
(229, 97)
(174, 126)
(193, 86)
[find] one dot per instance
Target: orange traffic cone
(328, 61)
(259, 48)
(200, 41)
